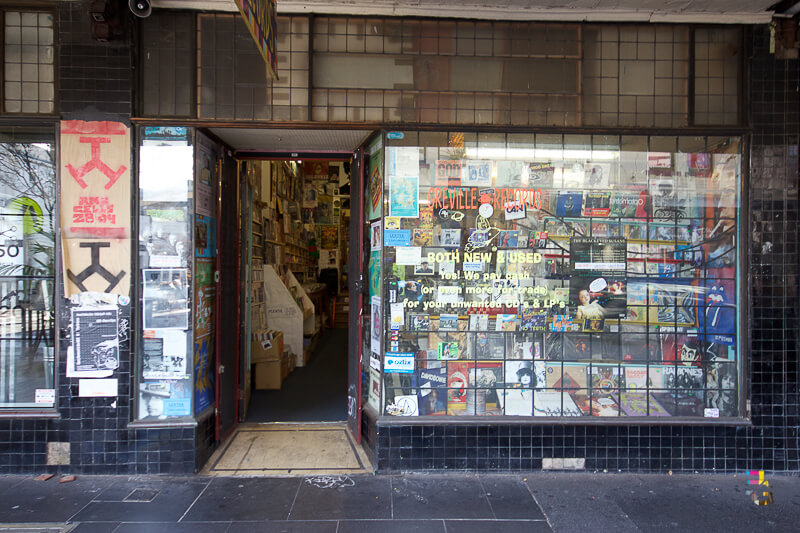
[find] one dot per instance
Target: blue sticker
(177, 407)
(395, 135)
(398, 362)
(397, 237)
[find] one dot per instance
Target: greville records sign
(261, 19)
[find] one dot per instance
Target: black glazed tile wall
(95, 82)
(771, 443)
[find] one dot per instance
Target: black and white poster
(165, 298)
(164, 355)
(95, 342)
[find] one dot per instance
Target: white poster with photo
(375, 240)
(165, 298)
(164, 354)
(328, 259)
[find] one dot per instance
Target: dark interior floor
(316, 392)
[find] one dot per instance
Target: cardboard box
(262, 349)
(285, 367)
(268, 375)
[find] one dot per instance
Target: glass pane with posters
(166, 211)
(27, 264)
(561, 275)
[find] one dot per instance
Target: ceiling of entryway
(291, 140)
(705, 11)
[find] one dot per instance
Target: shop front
(556, 244)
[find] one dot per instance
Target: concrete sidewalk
(452, 503)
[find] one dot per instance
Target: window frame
(58, 280)
(35, 6)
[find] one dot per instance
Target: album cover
(624, 204)
(597, 204)
(569, 204)
(449, 238)
(421, 237)
(519, 347)
(478, 322)
(433, 391)
(510, 174)
(635, 377)
(540, 175)
(496, 345)
(605, 406)
(554, 403)
(635, 403)
(506, 322)
(425, 268)
(419, 322)
(507, 239)
(689, 378)
(447, 351)
(517, 402)
(604, 379)
(569, 376)
(448, 322)
(457, 384)
(488, 376)
(721, 380)
(532, 320)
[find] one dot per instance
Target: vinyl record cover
(554, 403)
(635, 403)
(457, 384)
(433, 391)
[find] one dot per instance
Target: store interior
(298, 214)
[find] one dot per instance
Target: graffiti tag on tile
(330, 481)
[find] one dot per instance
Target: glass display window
(166, 359)
(561, 275)
(28, 200)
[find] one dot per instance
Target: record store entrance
(288, 260)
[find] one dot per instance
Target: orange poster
(95, 207)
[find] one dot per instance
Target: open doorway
(298, 215)
(293, 241)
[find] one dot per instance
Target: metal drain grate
(141, 495)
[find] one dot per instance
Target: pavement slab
(504, 526)
(171, 527)
(510, 498)
(95, 527)
(391, 526)
(169, 505)
(343, 497)
(283, 526)
(48, 501)
(244, 499)
(432, 496)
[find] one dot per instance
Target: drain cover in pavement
(141, 495)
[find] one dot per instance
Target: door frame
(221, 433)
(311, 155)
